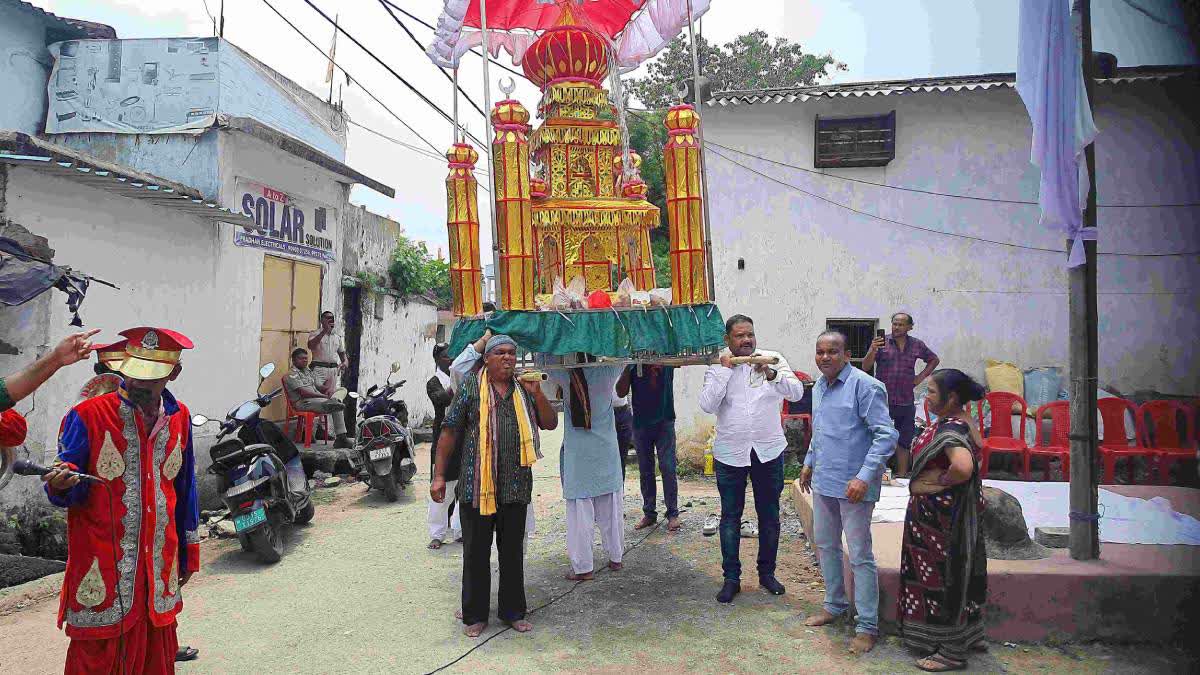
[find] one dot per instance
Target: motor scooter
(383, 441)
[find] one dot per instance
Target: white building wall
(393, 329)
(807, 260)
(173, 270)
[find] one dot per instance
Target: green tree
(750, 61)
(414, 272)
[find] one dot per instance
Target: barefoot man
(497, 418)
(852, 439)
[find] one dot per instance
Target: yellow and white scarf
(485, 474)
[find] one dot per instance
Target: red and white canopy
(639, 29)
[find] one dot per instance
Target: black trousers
(508, 524)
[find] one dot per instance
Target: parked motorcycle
(261, 479)
(383, 443)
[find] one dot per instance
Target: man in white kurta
(592, 484)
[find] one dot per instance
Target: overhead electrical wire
(430, 26)
(929, 229)
(351, 77)
(391, 70)
(417, 42)
(419, 150)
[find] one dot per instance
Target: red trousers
(144, 649)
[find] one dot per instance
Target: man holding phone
(897, 357)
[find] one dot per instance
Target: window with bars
(859, 334)
(855, 141)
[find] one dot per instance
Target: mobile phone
(880, 333)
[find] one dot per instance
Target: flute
(532, 376)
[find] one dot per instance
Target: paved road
(358, 592)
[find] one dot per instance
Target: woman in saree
(943, 565)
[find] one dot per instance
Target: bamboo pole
(708, 249)
(1084, 538)
(489, 132)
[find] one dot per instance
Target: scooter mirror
(396, 366)
(199, 420)
(266, 370)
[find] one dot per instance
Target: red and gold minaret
(681, 168)
(462, 224)
(514, 215)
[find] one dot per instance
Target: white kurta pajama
(593, 486)
(439, 513)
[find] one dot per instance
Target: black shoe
(187, 654)
(730, 589)
(771, 585)
(342, 441)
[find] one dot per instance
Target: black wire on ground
(544, 605)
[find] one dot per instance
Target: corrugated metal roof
(940, 84)
(19, 149)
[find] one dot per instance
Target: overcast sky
(876, 39)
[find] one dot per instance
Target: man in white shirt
(746, 400)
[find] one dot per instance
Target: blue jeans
(623, 418)
(658, 438)
(831, 517)
(767, 480)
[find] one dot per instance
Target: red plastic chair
(1001, 439)
(1165, 435)
(1115, 444)
(805, 419)
(1059, 443)
(307, 422)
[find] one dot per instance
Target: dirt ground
(357, 591)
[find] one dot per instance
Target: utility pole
(221, 29)
(1084, 537)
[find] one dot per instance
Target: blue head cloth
(498, 340)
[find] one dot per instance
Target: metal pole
(1084, 539)
(708, 252)
(221, 30)
(332, 49)
(454, 86)
(488, 133)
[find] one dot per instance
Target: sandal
(435, 544)
(711, 524)
(936, 663)
(187, 654)
(749, 529)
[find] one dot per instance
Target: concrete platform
(1138, 593)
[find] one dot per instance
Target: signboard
(133, 86)
(287, 224)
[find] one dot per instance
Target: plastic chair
(1115, 444)
(308, 422)
(1165, 435)
(1000, 438)
(804, 418)
(1059, 443)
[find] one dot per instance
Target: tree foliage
(750, 61)
(414, 272)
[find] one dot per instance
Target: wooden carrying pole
(1084, 538)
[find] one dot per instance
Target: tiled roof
(929, 84)
(80, 29)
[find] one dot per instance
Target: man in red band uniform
(131, 546)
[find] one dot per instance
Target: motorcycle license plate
(380, 453)
(248, 520)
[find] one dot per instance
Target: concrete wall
(183, 158)
(173, 270)
(394, 329)
(24, 67)
(807, 260)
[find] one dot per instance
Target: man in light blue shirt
(853, 437)
(592, 484)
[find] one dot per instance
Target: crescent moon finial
(508, 86)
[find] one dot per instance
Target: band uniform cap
(152, 353)
(110, 354)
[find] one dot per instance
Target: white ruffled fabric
(650, 30)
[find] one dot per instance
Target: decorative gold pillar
(681, 166)
(514, 215)
(462, 224)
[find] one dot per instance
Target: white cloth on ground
(583, 516)
(439, 515)
(1124, 520)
